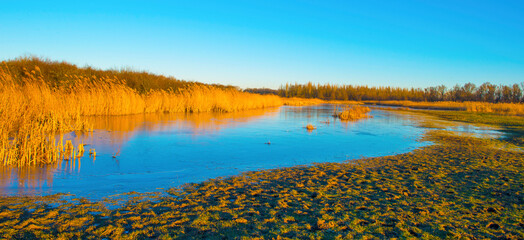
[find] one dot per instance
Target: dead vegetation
(354, 112)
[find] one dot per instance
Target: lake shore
(460, 187)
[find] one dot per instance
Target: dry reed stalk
(515, 109)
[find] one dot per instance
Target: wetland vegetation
(40, 99)
(262, 120)
(462, 186)
(350, 113)
(513, 109)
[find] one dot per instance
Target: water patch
(145, 153)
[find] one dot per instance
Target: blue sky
(268, 43)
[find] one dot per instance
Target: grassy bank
(511, 126)
(515, 109)
(461, 187)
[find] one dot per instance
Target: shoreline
(436, 191)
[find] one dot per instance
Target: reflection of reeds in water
(26, 178)
(114, 131)
(34, 109)
(31, 177)
(121, 128)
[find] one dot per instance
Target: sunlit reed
(33, 110)
(352, 113)
(516, 109)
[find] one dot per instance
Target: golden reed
(515, 109)
(353, 113)
(33, 113)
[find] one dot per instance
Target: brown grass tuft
(310, 127)
(353, 113)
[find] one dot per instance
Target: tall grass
(28, 121)
(294, 101)
(34, 109)
(515, 109)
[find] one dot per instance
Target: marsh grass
(354, 112)
(34, 109)
(302, 101)
(515, 109)
(295, 101)
(461, 187)
(511, 126)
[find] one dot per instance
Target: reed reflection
(110, 134)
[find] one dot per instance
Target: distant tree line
(486, 92)
(262, 91)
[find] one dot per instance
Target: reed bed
(515, 109)
(33, 110)
(352, 113)
(28, 122)
(294, 101)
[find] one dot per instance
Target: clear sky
(267, 43)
